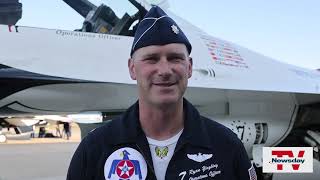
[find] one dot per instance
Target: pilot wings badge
(199, 157)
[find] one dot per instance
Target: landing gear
(304, 137)
(312, 138)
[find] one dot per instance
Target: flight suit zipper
(148, 163)
(174, 153)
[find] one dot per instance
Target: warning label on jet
(224, 53)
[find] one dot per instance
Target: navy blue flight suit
(201, 136)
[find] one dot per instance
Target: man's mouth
(165, 84)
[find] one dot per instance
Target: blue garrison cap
(157, 28)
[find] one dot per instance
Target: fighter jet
(53, 71)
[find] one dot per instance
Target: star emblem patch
(125, 169)
(125, 164)
(175, 29)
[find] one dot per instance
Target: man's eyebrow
(176, 54)
(170, 54)
(150, 55)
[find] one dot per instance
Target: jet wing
(43, 58)
(93, 57)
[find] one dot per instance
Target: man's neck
(161, 123)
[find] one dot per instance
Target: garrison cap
(157, 28)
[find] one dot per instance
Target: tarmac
(38, 158)
(35, 161)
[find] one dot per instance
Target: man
(162, 136)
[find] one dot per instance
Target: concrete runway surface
(50, 161)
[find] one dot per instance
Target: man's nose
(164, 67)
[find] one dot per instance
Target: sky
(286, 30)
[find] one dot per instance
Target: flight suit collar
(128, 129)
(195, 131)
(127, 132)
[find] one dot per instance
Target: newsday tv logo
(287, 160)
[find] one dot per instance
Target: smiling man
(162, 136)
(162, 74)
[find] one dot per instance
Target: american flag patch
(252, 173)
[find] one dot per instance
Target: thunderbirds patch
(125, 163)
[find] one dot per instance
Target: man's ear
(131, 69)
(190, 67)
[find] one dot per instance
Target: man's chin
(166, 101)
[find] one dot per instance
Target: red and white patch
(125, 163)
(125, 169)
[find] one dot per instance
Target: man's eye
(176, 59)
(150, 60)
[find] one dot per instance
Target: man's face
(161, 72)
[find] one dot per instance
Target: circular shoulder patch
(125, 163)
